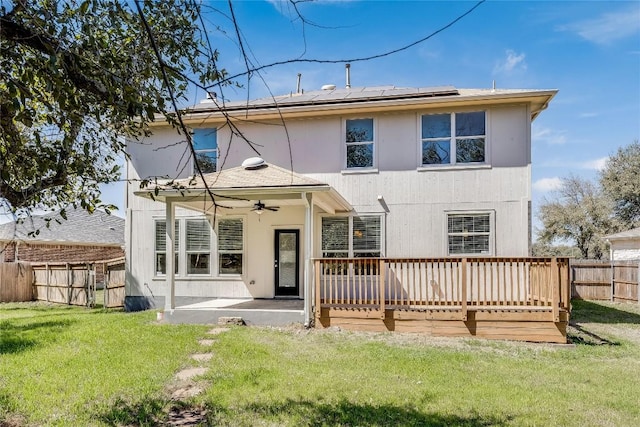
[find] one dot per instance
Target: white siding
(418, 199)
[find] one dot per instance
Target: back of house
(336, 173)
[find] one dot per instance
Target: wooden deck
(524, 299)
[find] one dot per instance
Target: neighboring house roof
(240, 186)
(634, 233)
(80, 227)
(379, 98)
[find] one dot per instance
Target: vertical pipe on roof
(298, 83)
(347, 68)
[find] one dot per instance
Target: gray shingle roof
(629, 234)
(339, 95)
(79, 228)
(267, 175)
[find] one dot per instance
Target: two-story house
(347, 173)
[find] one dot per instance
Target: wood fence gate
(75, 283)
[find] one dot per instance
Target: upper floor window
(469, 233)
(453, 138)
(359, 139)
(205, 143)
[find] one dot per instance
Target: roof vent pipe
(298, 84)
(347, 68)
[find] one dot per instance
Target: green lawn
(72, 366)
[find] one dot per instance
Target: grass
(69, 366)
(74, 366)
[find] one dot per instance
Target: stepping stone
(187, 417)
(202, 357)
(238, 321)
(186, 391)
(216, 331)
(206, 343)
(187, 374)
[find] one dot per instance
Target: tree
(76, 77)
(580, 214)
(620, 180)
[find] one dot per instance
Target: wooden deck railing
(375, 284)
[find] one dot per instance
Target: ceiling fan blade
(272, 208)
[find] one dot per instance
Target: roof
(634, 233)
(378, 98)
(341, 95)
(267, 175)
(80, 227)
(240, 186)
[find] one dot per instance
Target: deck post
(381, 294)
(463, 293)
(555, 292)
(317, 285)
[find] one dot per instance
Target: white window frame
(373, 143)
(350, 217)
(188, 252)
(177, 246)
(453, 141)
(242, 252)
(491, 233)
(205, 151)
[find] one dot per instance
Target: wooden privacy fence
(64, 283)
(114, 290)
(16, 282)
(75, 283)
(605, 280)
(462, 284)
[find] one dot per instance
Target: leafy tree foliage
(77, 76)
(549, 250)
(580, 213)
(620, 180)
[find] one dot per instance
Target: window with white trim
(359, 139)
(198, 246)
(351, 236)
(161, 246)
(205, 144)
(469, 233)
(453, 138)
(230, 246)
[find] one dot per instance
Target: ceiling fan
(260, 207)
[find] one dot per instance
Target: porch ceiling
(241, 187)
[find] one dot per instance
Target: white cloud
(597, 164)
(549, 136)
(512, 62)
(608, 27)
(545, 185)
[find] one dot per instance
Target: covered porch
(278, 209)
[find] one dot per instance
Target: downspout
(308, 263)
(170, 303)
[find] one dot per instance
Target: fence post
(382, 273)
(463, 293)
(613, 278)
(555, 292)
(47, 280)
(69, 288)
(638, 283)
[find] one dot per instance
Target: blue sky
(589, 50)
